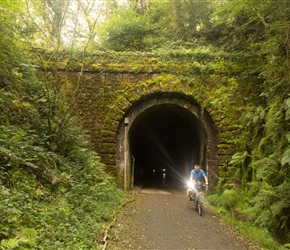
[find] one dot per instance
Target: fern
(27, 237)
(265, 168)
(287, 108)
(286, 157)
(239, 158)
(242, 161)
(265, 219)
(255, 116)
(286, 154)
(229, 199)
(281, 207)
(9, 244)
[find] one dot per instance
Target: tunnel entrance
(161, 138)
(165, 142)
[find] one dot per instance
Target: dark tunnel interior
(165, 142)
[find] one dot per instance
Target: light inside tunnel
(166, 141)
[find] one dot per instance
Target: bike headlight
(190, 184)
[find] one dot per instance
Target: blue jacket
(197, 176)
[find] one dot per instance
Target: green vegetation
(254, 180)
(54, 193)
(49, 177)
(258, 236)
(257, 186)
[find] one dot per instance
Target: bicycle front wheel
(200, 208)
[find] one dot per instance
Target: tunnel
(160, 139)
(165, 142)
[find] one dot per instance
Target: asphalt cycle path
(163, 218)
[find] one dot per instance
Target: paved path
(162, 218)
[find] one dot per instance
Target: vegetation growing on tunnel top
(196, 60)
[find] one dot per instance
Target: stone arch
(165, 130)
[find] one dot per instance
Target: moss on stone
(109, 83)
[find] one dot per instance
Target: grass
(260, 237)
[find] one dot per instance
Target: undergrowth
(235, 208)
(55, 193)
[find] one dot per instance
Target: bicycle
(196, 196)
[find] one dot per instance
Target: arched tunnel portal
(165, 141)
(160, 140)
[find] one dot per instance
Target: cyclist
(197, 174)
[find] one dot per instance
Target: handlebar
(197, 185)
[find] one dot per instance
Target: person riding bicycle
(197, 174)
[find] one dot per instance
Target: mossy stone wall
(108, 84)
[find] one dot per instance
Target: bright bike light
(190, 184)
